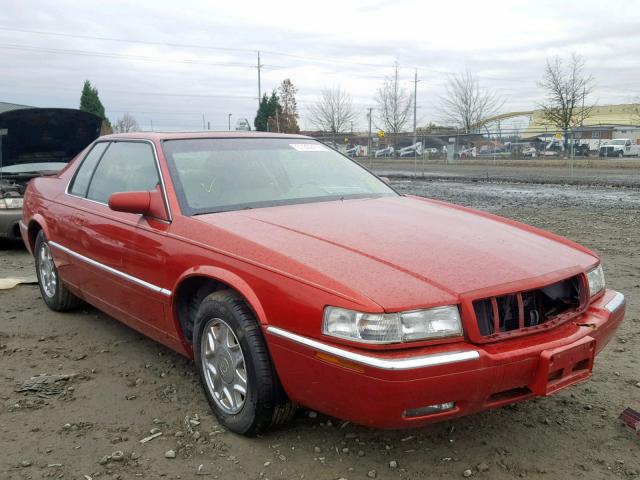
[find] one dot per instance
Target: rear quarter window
(81, 181)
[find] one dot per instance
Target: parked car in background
(34, 142)
(356, 151)
(385, 152)
(580, 149)
(554, 148)
(432, 151)
(292, 275)
(465, 153)
(411, 150)
(620, 147)
(242, 124)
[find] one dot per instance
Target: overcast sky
(170, 63)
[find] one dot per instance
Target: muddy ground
(122, 386)
(591, 171)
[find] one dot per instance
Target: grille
(507, 314)
(606, 150)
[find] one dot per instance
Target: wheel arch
(198, 282)
(36, 224)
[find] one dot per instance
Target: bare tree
(394, 103)
(287, 117)
(126, 124)
(333, 111)
(466, 104)
(567, 88)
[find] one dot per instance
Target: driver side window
(125, 167)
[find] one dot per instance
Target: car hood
(45, 135)
(399, 252)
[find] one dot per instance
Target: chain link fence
(423, 153)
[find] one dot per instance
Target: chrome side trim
(377, 362)
(615, 303)
(113, 271)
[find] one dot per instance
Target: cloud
(193, 59)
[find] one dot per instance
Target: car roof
(205, 134)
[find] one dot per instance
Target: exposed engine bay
(12, 188)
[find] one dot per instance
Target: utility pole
(415, 131)
(259, 86)
(415, 103)
(230, 122)
(203, 123)
(369, 139)
(584, 92)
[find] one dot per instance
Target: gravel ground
(116, 387)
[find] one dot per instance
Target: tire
(620, 154)
(243, 355)
(53, 291)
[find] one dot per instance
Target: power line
(89, 53)
(111, 39)
(311, 59)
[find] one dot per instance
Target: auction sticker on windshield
(308, 147)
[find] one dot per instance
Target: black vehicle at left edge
(36, 142)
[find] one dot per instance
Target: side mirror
(628, 144)
(149, 203)
(131, 202)
(386, 180)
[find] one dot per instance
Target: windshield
(617, 142)
(222, 174)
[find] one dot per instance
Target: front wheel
(235, 368)
(620, 154)
(54, 293)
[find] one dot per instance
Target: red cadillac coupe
(292, 275)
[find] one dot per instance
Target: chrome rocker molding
(106, 268)
(615, 303)
(377, 362)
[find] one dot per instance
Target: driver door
(126, 257)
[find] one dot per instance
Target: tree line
(466, 104)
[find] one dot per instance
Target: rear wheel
(235, 368)
(54, 293)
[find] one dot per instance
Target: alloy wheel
(47, 269)
(224, 366)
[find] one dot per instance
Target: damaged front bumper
(424, 385)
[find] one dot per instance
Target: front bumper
(609, 152)
(9, 223)
(378, 388)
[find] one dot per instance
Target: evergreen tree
(261, 116)
(269, 113)
(90, 102)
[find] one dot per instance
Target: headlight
(596, 280)
(392, 327)
(10, 202)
